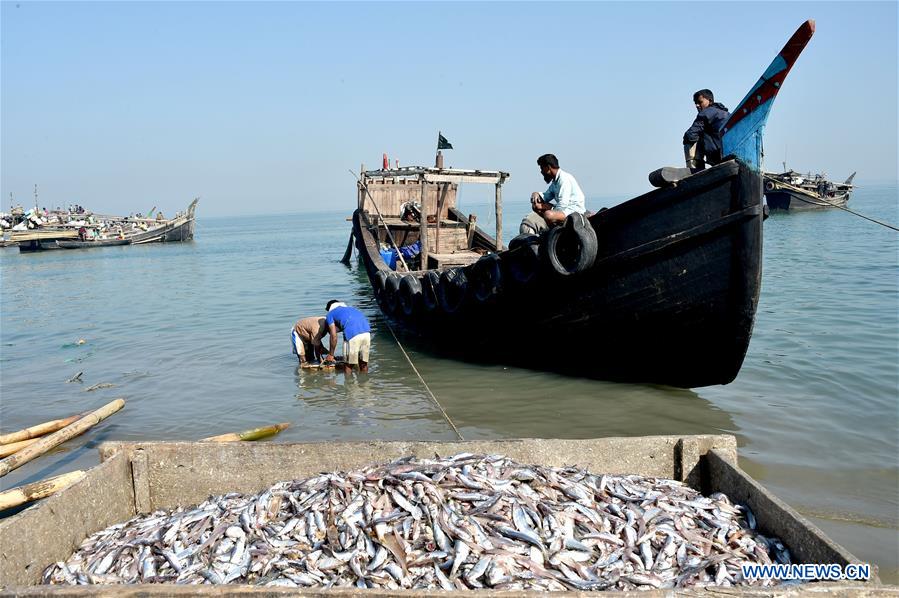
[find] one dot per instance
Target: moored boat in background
(791, 190)
(71, 244)
(180, 228)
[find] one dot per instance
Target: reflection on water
(195, 337)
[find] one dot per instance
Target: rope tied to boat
(835, 205)
(425, 384)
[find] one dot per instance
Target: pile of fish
(463, 522)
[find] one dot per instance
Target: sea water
(196, 338)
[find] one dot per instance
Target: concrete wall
(53, 529)
(807, 543)
(141, 477)
(185, 473)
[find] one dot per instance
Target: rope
(866, 218)
(834, 205)
(414, 369)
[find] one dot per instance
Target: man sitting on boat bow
(563, 189)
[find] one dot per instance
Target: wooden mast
(423, 225)
(499, 214)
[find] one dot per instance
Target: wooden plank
(479, 176)
(47, 235)
(450, 178)
(457, 258)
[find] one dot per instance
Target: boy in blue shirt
(356, 333)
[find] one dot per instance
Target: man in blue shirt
(356, 334)
(563, 189)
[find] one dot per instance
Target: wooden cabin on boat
(449, 237)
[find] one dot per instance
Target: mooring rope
(428, 388)
(848, 210)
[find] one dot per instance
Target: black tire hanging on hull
(410, 294)
(572, 247)
(392, 292)
(485, 276)
(430, 289)
(523, 259)
(377, 283)
(453, 290)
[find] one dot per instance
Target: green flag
(442, 143)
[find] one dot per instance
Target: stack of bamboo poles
(25, 445)
(21, 447)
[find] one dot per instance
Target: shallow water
(196, 338)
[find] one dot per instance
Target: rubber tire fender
(522, 261)
(410, 294)
(485, 277)
(430, 290)
(392, 292)
(572, 247)
(377, 284)
(769, 185)
(453, 289)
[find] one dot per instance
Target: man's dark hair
(704, 93)
(330, 303)
(548, 160)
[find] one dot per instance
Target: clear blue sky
(120, 106)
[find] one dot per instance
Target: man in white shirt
(563, 190)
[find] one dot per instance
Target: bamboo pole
(37, 490)
(56, 438)
(39, 430)
(14, 447)
(254, 434)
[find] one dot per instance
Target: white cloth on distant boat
(567, 194)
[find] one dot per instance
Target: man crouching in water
(356, 334)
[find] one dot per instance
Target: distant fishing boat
(662, 288)
(134, 230)
(791, 190)
(70, 244)
(180, 228)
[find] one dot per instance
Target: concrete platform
(136, 478)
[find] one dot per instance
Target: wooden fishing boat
(66, 244)
(791, 190)
(180, 228)
(662, 288)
